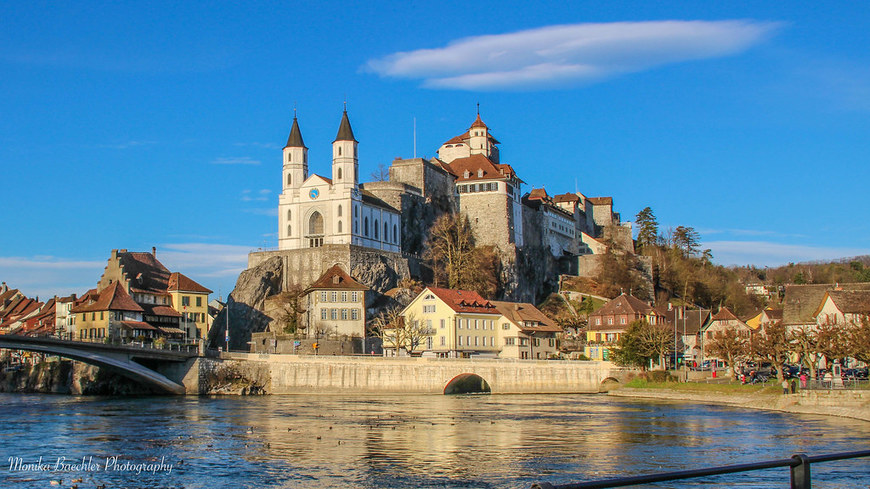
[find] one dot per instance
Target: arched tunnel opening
(608, 384)
(467, 384)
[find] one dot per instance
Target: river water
(403, 441)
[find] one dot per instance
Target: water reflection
(418, 440)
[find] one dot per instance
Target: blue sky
(125, 125)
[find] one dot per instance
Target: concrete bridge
(288, 374)
(129, 361)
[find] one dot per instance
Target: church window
(395, 234)
(289, 157)
(386, 232)
(339, 151)
(289, 179)
(339, 226)
(366, 226)
(356, 211)
(315, 224)
(289, 231)
(339, 211)
(356, 226)
(289, 214)
(376, 229)
(339, 174)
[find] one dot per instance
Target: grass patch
(730, 388)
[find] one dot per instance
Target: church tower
(345, 164)
(295, 158)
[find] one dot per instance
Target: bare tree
(833, 341)
(401, 332)
(657, 340)
(457, 262)
(381, 174)
(771, 344)
(859, 341)
(729, 345)
(292, 303)
(805, 344)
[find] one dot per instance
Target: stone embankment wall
(240, 373)
(68, 377)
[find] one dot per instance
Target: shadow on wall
(244, 320)
(467, 384)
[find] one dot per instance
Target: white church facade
(314, 210)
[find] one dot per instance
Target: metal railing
(798, 464)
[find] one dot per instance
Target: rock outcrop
(246, 305)
(69, 377)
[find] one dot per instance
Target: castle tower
(345, 163)
(295, 158)
(479, 137)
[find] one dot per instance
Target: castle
(377, 230)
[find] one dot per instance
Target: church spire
(345, 133)
(295, 139)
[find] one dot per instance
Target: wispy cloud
(262, 195)
(47, 262)
(127, 144)
(45, 276)
(569, 54)
(205, 260)
(764, 253)
(236, 160)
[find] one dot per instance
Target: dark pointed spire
(295, 139)
(345, 133)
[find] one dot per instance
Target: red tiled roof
(179, 281)
(851, 301)
(138, 325)
(458, 139)
(478, 123)
(600, 200)
(476, 162)
(336, 278)
(463, 300)
(569, 197)
(144, 271)
(112, 298)
(160, 310)
(725, 314)
(521, 313)
(624, 304)
(538, 194)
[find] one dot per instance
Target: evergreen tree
(647, 228)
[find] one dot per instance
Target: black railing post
(800, 473)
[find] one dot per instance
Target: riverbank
(843, 403)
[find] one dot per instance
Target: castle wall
(491, 217)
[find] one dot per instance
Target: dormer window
(480, 173)
(466, 174)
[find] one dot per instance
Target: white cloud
(45, 276)
(763, 253)
(238, 160)
(566, 54)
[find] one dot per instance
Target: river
(402, 441)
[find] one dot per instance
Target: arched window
(366, 226)
(376, 229)
(386, 232)
(289, 157)
(289, 179)
(339, 211)
(315, 224)
(356, 211)
(339, 226)
(339, 151)
(395, 235)
(355, 226)
(339, 174)
(289, 214)
(289, 231)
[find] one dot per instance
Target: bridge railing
(799, 470)
(190, 348)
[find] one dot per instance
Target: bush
(658, 376)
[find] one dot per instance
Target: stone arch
(467, 383)
(315, 224)
(608, 384)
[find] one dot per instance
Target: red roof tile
(463, 300)
(181, 282)
(522, 313)
(600, 200)
(725, 314)
(472, 164)
(336, 278)
(566, 198)
(112, 298)
(624, 304)
(478, 123)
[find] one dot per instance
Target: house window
(597, 336)
(429, 343)
(344, 314)
(621, 320)
(475, 324)
(185, 301)
(475, 340)
(199, 302)
(598, 321)
(323, 297)
(429, 324)
(333, 296)
(344, 297)
(354, 296)
(552, 342)
(323, 314)
(354, 314)
(609, 320)
(505, 326)
(333, 314)
(460, 340)
(442, 324)
(509, 341)
(443, 341)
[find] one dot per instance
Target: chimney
(154, 251)
(114, 254)
(73, 297)
(3, 288)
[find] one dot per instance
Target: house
(688, 324)
(461, 323)
(722, 321)
(16, 311)
(138, 297)
(336, 305)
(763, 317)
(525, 332)
(801, 302)
(843, 307)
(612, 320)
(64, 326)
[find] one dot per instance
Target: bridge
(123, 359)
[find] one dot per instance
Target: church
(315, 210)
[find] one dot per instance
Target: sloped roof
(463, 300)
(624, 304)
(801, 301)
(112, 298)
(725, 314)
(600, 200)
(851, 301)
(8, 295)
(160, 310)
(477, 162)
(539, 194)
(180, 281)
(295, 138)
(478, 123)
(569, 197)
(371, 199)
(521, 312)
(345, 133)
(145, 272)
(336, 278)
(774, 314)
(692, 319)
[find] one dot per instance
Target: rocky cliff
(69, 377)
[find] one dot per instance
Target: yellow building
(191, 300)
(525, 332)
(336, 306)
(110, 312)
(461, 323)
